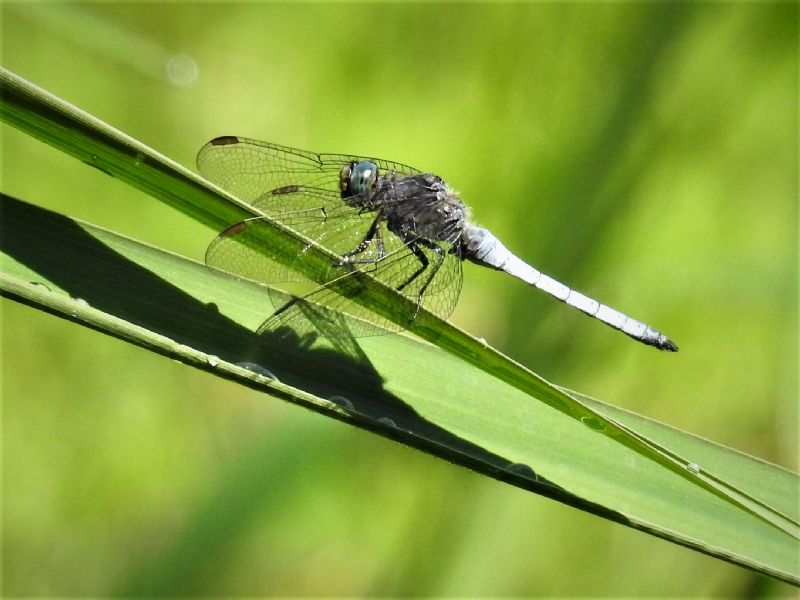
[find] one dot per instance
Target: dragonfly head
(358, 179)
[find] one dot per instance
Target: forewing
(317, 214)
(301, 190)
(249, 168)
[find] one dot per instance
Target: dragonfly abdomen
(480, 246)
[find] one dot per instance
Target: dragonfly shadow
(64, 254)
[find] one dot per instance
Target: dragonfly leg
(374, 232)
(424, 262)
(439, 260)
(414, 246)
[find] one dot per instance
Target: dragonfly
(405, 227)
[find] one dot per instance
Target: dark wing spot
(287, 189)
(224, 140)
(234, 229)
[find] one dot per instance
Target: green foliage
(498, 424)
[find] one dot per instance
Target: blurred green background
(645, 154)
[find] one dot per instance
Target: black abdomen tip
(664, 343)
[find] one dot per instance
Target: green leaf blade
(477, 420)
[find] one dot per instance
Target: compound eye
(344, 178)
(363, 178)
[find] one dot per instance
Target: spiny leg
(437, 265)
(373, 232)
(425, 262)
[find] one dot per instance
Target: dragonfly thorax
(421, 206)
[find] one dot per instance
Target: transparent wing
(249, 168)
(301, 190)
(318, 214)
(436, 288)
(429, 275)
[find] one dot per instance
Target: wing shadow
(68, 256)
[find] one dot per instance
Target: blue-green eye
(358, 178)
